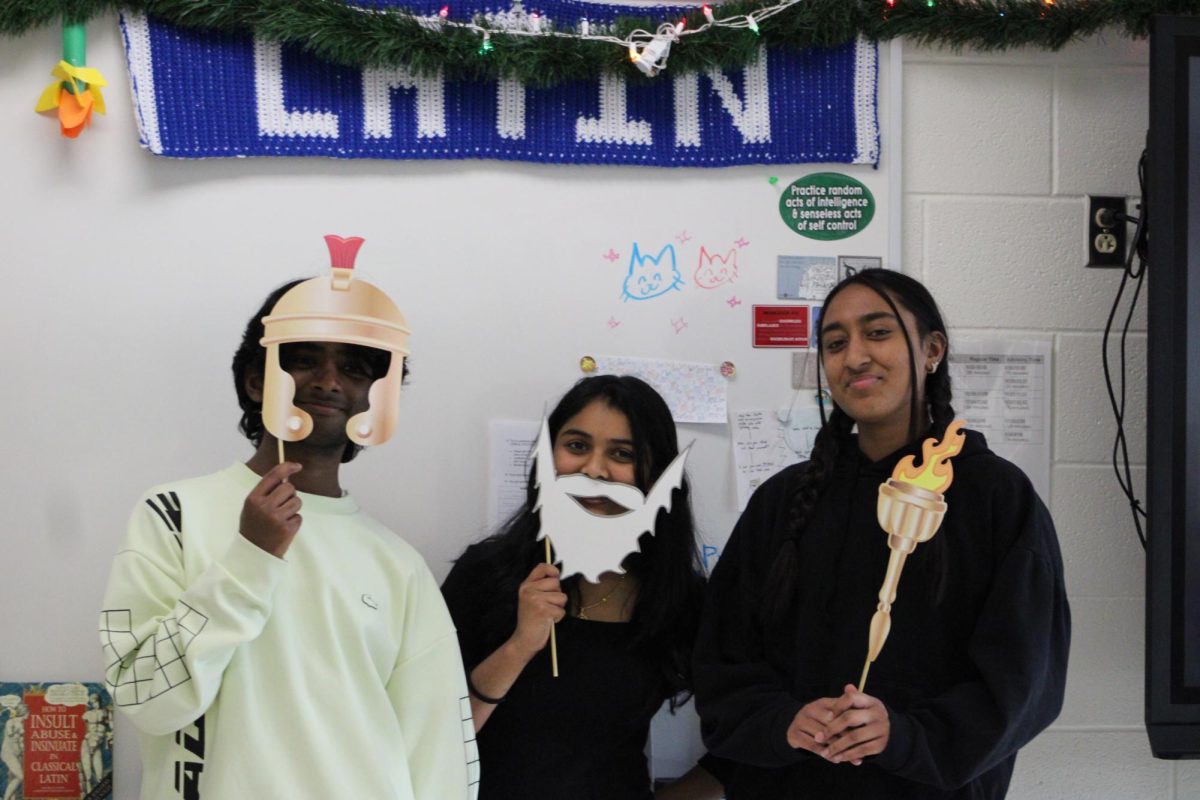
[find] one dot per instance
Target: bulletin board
(132, 277)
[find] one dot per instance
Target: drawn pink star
(611, 255)
(679, 324)
(742, 242)
(733, 301)
(682, 237)
(613, 322)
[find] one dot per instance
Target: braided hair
(834, 438)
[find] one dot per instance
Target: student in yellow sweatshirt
(266, 636)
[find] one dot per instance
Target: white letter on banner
(377, 102)
(510, 108)
(612, 127)
(273, 118)
(686, 88)
(752, 117)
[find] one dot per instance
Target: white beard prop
(587, 543)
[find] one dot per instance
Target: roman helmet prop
(336, 308)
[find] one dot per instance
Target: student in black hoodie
(976, 660)
(623, 644)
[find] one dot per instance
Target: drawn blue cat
(648, 275)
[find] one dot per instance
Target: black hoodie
(974, 666)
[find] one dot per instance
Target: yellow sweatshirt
(332, 673)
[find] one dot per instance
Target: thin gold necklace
(584, 609)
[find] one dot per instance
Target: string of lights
(532, 47)
(648, 51)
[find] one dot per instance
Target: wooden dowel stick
(553, 638)
(862, 682)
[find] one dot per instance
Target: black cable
(1120, 452)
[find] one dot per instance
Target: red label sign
(781, 326)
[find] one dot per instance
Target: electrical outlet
(1107, 236)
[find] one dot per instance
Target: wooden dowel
(553, 638)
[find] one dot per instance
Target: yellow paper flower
(75, 94)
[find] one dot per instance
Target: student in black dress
(976, 661)
(624, 643)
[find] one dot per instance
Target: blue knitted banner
(203, 95)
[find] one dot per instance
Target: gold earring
(932, 368)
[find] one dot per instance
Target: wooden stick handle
(862, 681)
(553, 638)
(280, 442)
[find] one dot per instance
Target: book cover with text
(56, 741)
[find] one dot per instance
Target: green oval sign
(827, 206)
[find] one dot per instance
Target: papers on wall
(766, 441)
(1002, 390)
(695, 392)
(511, 447)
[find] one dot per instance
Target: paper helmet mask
(590, 544)
(340, 309)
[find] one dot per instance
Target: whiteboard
(130, 279)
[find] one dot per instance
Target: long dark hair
(834, 439)
(667, 564)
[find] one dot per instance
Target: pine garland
(341, 34)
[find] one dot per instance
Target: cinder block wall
(1000, 151)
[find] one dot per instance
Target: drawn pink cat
(714, 270)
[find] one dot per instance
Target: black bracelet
(491, 701)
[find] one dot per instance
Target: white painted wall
(999, 152)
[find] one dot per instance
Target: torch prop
(910, 508)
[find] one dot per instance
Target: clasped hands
(841, 729)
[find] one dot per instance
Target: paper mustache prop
(586, 543)
(334, 309)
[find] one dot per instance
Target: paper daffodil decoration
(75, 94)
(75, 91)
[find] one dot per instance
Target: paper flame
(936, 472)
